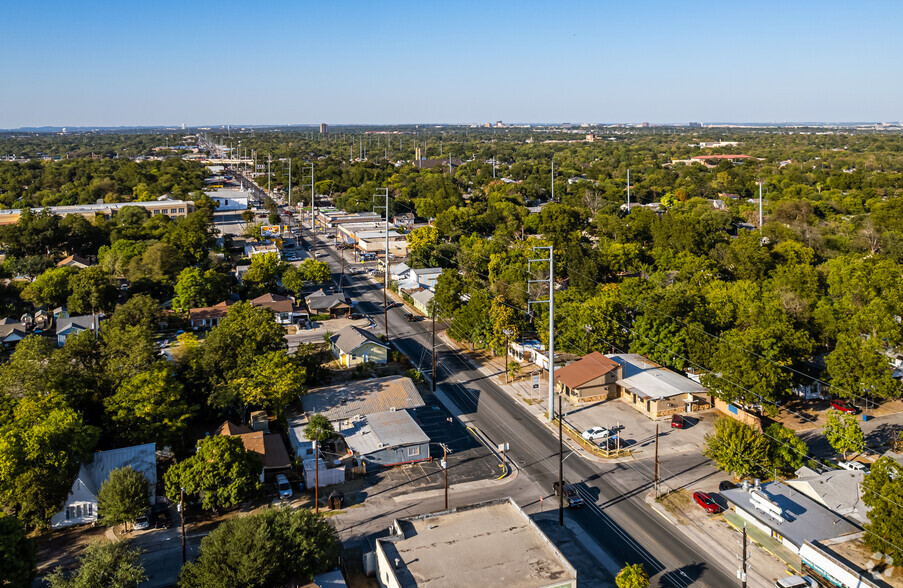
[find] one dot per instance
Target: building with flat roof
(788, 515)
(171, 208)
(492, 543)
(323, 128)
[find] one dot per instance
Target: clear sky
(123, 62)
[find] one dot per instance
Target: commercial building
(172, 208)
(656, 391)
(331, 218)
(341, 403)
(589, 379)
(230, 199)
(492, 543)
(323, 128)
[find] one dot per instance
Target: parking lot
(637, 432)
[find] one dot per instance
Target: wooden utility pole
(445, 468)
(743, 561)
(655, 484)
(560, 466)
(317, 474)
(182, 520)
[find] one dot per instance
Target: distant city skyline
(106, 64)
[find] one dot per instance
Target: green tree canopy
(92, 290)
(198, 288)
(50, 288)
(843, 432)
(271, 382)
(221, 471)
(111, 564)
(882, 492)
(737, 448)
(123, 497)
(319, 429)
(18, 554)
(265, 549)
(786, 451)
(632, 576)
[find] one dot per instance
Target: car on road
(706, 502)
(853, 466)
(161, 517)
(573, 499)
(409, 317)
(726, 485)
(283, 486)
(844, 406)
(392, 305)
(677, 421)
(142, 523)
(596, 433)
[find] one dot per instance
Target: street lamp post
(589, 329)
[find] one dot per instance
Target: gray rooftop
(803, 518)
(383, 429)
(837, 490)
(351, 337)
(80, 322)
(658, 383)
(364, 397)
(424, 297)
(142, 458)
(489, 544)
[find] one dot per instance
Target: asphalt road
(616, 515)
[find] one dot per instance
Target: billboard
(269, 230)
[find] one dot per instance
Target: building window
(67, 513)
(90, 508)
(413, 451)
(181, 210)
(78, 511)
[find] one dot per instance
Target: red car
(844, 406)
(677, 421)
(706, 502)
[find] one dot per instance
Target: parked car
(706, 502)
(142, 523)
(162, 520)
(283, 486)
(596, 433)
(844, 406)
(726, 485)
(796, 582)
(853, 466)
(677, 421)
(573, 499)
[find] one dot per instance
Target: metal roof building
(387, 438)
(365, 397)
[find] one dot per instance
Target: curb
(506, 464)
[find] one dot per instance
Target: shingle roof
(326, 302)
(836, 489)
(79, 322)
(383, 429)
(587, 368)
(275, 302)
(74, 260)
(8, 329)
(216, 311)
(362, 398)
(351, 337)
(230, 428)
(268, 446)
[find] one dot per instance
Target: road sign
(536, 381)
(503, 447)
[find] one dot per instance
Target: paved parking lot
(638, 431)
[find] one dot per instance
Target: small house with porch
(353, 345)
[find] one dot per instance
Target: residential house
(589, 379)
(405, 220)
(60, 312)
(335, 305)
(73, 325)
(439, 549)
(423, 301)
(387, 439)
(41, 319)
(76, 261)
(427, 277)
(253, 249)
(283, 308)
(341, 403)
(11, 332)
(353, 345)
(209, 316)
(787, 515)
(399, 272)
(81, 504)
(656, 391)
(267, 446)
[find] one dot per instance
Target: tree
(126, 351)
(43, 444)
(786, 451)
(50, 288)
(18, 554)
(632, 576)
(140, 310)
(92, 290)
(110, 564)
(319, 429)
(857, 368)
(266, 549)
(150, 407)
(882, 492)
(123, 496)
(503, 320)
(221, 471)
(264, 273)
(271, 382)
(314, 271)
(737, 448)
(843, 432)
(421, 243)
(196, 288)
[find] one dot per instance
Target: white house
(81, 504)
(427, 277)
(399, 272)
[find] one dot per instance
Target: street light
(589, 329)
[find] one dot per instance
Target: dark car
(844, 406)
(570, 494)
(706, 502)
(726, 485)
(392, 305)
(161, 517)
(677, 421)
(409, 317)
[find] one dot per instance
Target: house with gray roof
(81, 504)
(73, 325)
(354, 345)
(387, 439)
(322, 303)
(11, 332)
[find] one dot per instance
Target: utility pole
(342, 279)
(760, 213)
(435, 364)
(386, 262)
(317, 473)
(553, 177)
(628, 191)
(589, 329)
(182, 520)
(741, 573)
(551, 300)
(560, 467)
(289, 182)
(508, 333)
(445, 452)
(269, 160)
(655, 483)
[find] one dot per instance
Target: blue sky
(284, 62)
